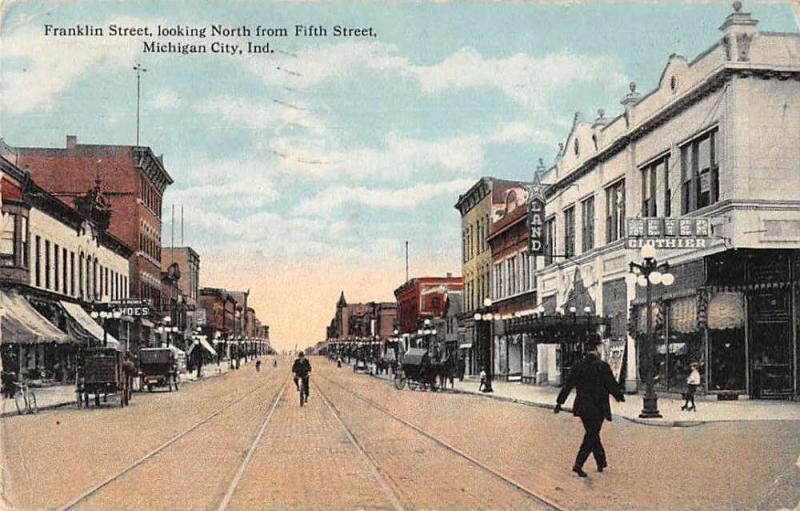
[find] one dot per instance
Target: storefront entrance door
(771, 344)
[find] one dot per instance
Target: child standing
(482, 386)
(692, 382)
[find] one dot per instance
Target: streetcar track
(226, 499)
(474, 461)
(93, 490)
(390, 494)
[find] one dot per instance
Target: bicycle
(25, 398)
(301, 387)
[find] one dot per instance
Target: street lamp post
(648, 273)
(484, 320)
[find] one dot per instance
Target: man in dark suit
(593, 382)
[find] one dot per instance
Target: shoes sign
(132, 307)
(668, 233)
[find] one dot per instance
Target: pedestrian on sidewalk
(593, 383)
(484, 385)
(258, 365)
(339, 362)
(692, 382)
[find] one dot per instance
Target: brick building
(420, 299)
(479, 207)
(183, 300)
(513, 289)
(133, 180)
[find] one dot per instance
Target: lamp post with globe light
(484, 318)
(104, 315)
(647, 274)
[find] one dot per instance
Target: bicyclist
(301, 369)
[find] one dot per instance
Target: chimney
(449, 275)
(72, 141)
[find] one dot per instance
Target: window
(549, 241)
(47, 264)
(72, 273)
(64, 264)
(700, 172)
(615, 211)
(23, 235)
(569, 232)
(587, 224)
(498, 278)
(650, 178)
(512, 275)
(7, 251)
(38, 269)
(56, 274)
(649, 207)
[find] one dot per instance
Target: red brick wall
(73, 170)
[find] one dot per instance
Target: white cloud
(243, 192)
(38, 68)
(331, 199)
(529, 80)
(165, 100)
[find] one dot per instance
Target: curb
(643, 422)
(13, 412)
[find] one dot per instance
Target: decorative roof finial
(737, 6)
(601, 113)
(632, 86)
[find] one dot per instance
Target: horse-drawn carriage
(100, 372)
(418, 370)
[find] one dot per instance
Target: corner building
(717, 139)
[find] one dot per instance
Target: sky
(302, 172)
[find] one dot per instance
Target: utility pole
(406, 260)
(139, 70)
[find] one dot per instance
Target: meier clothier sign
(666, 233)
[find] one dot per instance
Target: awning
(204, 343)
(22, 324)
(465, 345)
(83, 324)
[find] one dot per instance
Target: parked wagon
(159, 367)
(417, 370)
(100, 373)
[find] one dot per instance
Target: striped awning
(82, 326)
(22, 324)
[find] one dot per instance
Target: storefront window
(726, 342)
(529, 368)
(678, 341)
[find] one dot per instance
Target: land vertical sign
(535, 216)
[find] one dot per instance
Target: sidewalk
(56, 396)
(708, 411)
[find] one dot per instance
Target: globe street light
(647, 274)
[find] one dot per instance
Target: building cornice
(713, 82)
